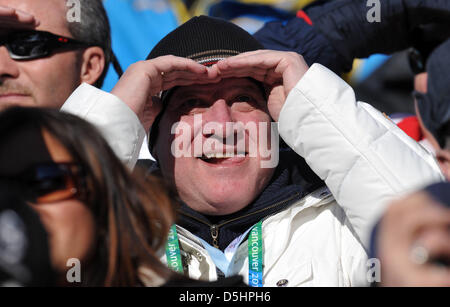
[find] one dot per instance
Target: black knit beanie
(205, 40)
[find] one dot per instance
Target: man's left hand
(279, 70)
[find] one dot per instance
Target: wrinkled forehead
(52, 14)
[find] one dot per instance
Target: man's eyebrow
(250, 85)
(189, 91)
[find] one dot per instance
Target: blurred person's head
(218, 180)
(432, 103)
(91, 207)
(48, 79)
(412, 240)
(24, 251)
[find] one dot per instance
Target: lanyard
(173, 251)
(255, 256)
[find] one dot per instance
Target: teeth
(223, 155)
(217, 155)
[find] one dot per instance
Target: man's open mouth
(224, 158)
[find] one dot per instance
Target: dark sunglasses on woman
(51, 182)
(33, 44)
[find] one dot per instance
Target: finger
(415, 212)
(269, 77)
(180, 82)
(7, 11)
(245, 70)
(432, 276)
(168, 84)
(403, 222)
(213, 71)
(171, 63)
(258, 58)
(258, 75)
(182, 74)
(16, 18)
(257, 69)
(264, 70)
(157, 70)
(14, 22)
(25, 17)
(261, 62)
(433, 216)
(290, 65)
(253, 53)
(436, 242)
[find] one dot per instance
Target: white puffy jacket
(365, 160)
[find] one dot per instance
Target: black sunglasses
(52, 182)
(32, 44)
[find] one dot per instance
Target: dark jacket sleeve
(345, 26)
(299, 36)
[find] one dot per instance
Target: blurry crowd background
(137, 25)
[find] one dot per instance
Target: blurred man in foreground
(412, 239)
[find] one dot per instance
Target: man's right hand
(11, 18)
(413, 232)
(143, 81)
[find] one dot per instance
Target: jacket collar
(292, 180)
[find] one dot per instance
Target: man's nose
(219, 119)
(8, 66)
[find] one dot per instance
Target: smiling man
(302, 222)
(222, 168)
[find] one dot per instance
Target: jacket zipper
(215, 235)
(214, 229)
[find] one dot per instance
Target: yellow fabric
(201, 7)
(180, 10)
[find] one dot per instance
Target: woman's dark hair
(133, 213)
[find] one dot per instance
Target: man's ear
(93, 64)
